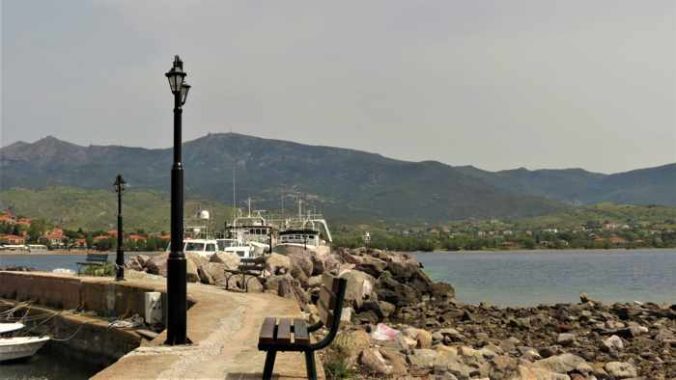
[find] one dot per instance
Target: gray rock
(566, 339)
(450, 362)
(158, 264)
(359, 287)
(229, 259)
(563, 363)
(620, 370)
(612, 343)
(423, 358)
(374, 362)
(204, 276)
(277, 264)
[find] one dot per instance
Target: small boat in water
(20, 347)
(6, 328)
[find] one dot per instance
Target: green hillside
(74, 208)
(658, 216)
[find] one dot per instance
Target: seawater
(47, 364)
(48, 262)
(523, 278)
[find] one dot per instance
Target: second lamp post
(176, 264)
(119, 260)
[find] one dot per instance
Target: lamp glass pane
(172, 82)
(184, 92)
(179, 81)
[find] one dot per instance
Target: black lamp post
(176, 265)
(119, 262)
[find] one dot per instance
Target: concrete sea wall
(77, 306)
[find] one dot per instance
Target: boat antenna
(300, 208)
(234, 191)
(282, 191)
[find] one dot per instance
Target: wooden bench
(93, 259)
(286, 334)
(247, 267)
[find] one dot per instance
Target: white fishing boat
(244, 251)
(202, 247)
(6, 328)
(251, 230)
(20, 347)
(306, 232)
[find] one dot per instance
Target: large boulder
(563, 363)
(372, 266)
(448, 362)
(396, 360)
(359, 288)
(374, 362)
(423, 358)
(229, 259)
(350, 344)
(620, 370)
(323, 261)
(301, 266)
(158, 264)
(197, 259)
(192, 262)
(347, 257)
(277, 264)
(390, 290)
(137, 262)
(134, 264)
(285, 286)
(402, 265)
(216, 271)
(205, 277)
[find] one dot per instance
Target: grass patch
(107, 269)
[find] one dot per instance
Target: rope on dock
(72, 336)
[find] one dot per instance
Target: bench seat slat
(300, 333)
(284, 331)
(267, 335)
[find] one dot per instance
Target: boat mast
(234, 194)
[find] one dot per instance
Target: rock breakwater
(398, 323)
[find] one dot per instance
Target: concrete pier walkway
(222, 325)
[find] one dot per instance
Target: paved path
(224, 329)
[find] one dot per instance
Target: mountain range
(343, 183)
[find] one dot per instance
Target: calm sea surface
(47, 364)
(522, 278)
(47, 262)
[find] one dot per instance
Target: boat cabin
(300, 237)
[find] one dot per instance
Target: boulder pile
(398, 323)
(380, 283)
(587, 340)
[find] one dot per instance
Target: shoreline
(61, 252)
(540, 251)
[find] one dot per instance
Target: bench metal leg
(269, 364)
(310, 365)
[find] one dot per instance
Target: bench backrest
(97, 257)
(248, 264)
(330, 305)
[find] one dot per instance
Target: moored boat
(20, 347)
(6, 328)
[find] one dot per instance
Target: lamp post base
(119, 266)
(176, 300)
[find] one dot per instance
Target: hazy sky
(495, 84)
